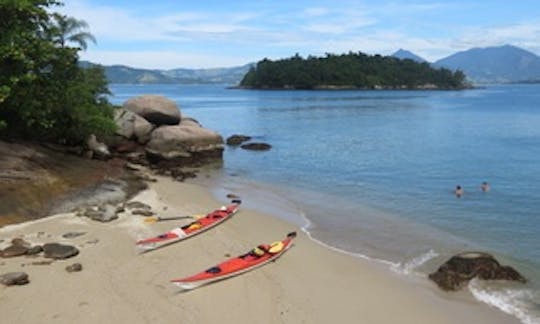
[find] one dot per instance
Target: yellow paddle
(154, 219)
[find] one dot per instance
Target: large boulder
(157, 110)
(462, 268)
(132, 126)
(184, 143)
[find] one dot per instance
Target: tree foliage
(44, 94)
(352, 70)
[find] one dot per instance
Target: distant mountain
(126, 74)
(232, 75)
(404, 54)
(501, 64)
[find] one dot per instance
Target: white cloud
(164, 59)
(190, 38)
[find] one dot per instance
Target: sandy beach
(308, 284)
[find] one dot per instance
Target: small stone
(137, 205)
(14, 250)
(70, 235)
(142, 212)
(20, 242)
(75, 267)
(36, 249)
(14, 278)
(59, 251)
(232, 196)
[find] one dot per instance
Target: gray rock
(137, 205)
(461, 268)
(14, 278)
(142, 212)
(99, 150)
(188, 121)
(59, 251)
(183, 142)
(35, 250)
(157, 110)
(70, 235)
(132, 126)
(14, 250)
(256, 146)
(75, 267)
(104, 213)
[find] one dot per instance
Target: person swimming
(485, 186)
(458, 191)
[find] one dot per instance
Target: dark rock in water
(14, 250)
(236, 140)
(232, 196)
(461, 268)
(35, 250)
(75, 267)
(14, 278)
(59, 251)
(70, 235)
(256, 146)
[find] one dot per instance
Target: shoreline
(310, 283)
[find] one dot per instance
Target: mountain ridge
(495, 64)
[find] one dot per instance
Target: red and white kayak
(255, 258)
(212, 219)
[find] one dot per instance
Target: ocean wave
(517, 302)
(305, 229)
(408, 267)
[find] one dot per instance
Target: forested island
(350, 71)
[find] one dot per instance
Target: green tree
(66, 30)
(44, 94)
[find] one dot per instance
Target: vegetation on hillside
(352, 70)
(44, 94)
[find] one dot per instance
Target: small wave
(408, 267)
(305, 229)
(517, 302)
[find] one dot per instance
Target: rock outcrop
(158, 110)
(183, 143)
(461, 268)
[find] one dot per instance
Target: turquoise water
(373, 171)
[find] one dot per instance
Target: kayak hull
(233, 267)
(199, 226)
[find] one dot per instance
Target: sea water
(373, 172)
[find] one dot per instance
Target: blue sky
(205, 33)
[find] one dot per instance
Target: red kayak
(255, 258)
(181, 233)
